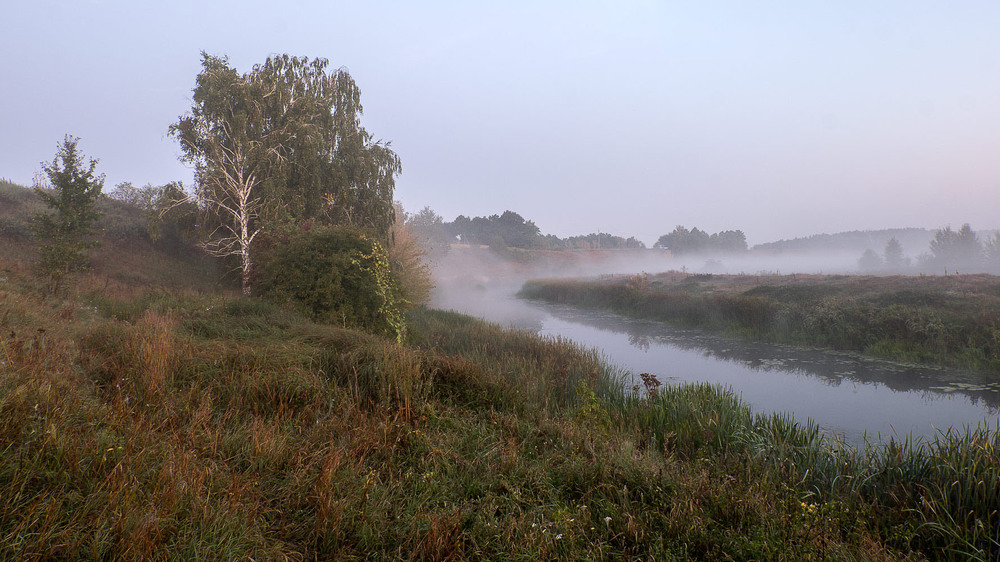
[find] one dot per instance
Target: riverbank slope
(148, 411)
(948, 320)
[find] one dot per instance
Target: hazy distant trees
(683, 241)
(280, 145)
(893, 255)
(509, 228)
(141, 197)
(891, 260)
(171, 217)
(596, 241)
(853, 241)
(870, 261)
(64, 234)
(991, 251)
(429, 228)
(955, 250)
(950, 251)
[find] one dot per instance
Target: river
(848, 395)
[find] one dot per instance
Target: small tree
(869, 261)
(64, 234)
(894, 258)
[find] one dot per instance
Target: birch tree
(282, 144)
(232, 151)
(229, 194)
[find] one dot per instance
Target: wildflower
(559, 536)
(607, 520)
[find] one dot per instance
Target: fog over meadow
(481, 279)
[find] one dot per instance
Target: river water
(848, 395)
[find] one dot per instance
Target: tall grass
(939, 496)
(236, 428)
(163, 421)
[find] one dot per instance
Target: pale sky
(782, 119)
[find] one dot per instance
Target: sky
(781, 119)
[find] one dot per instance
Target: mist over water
(848, 395)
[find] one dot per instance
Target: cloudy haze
(782, 119)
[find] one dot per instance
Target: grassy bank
(953, 320)
(149, 412)
(169, 425)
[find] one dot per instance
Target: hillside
(913, 240)
(147, 411)
(127, 262)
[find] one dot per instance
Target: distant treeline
(949, 251)
(942, 251)
(854, 241)
(683, 241)
(507, 230)
(511, 230)
(905, 250)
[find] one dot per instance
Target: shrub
(334, 274)
(406, 256)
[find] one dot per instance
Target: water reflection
(848, 395)
(832, 367)
(640, 341)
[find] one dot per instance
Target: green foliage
(591, 412)
(278, 146)
(140, 197)
(64, 234)
(683, 241)
(594, 241)
(335, 275)
(171, 216)
(375, 263)
(508, 229)
(299, 129)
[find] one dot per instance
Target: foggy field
(949, 320)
